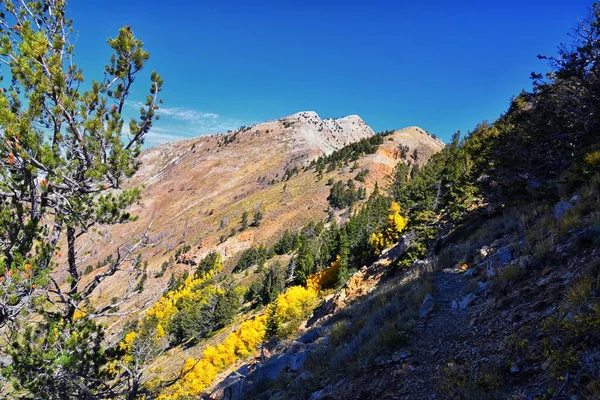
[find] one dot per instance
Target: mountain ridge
(195, 190)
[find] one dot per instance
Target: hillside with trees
(297, 258)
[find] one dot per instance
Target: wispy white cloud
(186, 115)
(179, 113)
(177, 123)
(157, 136)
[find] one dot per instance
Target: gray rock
(421, 264)
(274, 367)
(546, 365)
(502, 257)
(396, 357)
(454, 305)
(233, 391)
(310, 336)
(427, 306)
(318, 395)
(567, 276)
(569, 317)
(230, 388)
(484, 251)
(525, 261)
(544, 281)
(466, 301)
(296, 347)
(381, 360)
(574, 199)
(404, 355)
(305, 376)
(490, 271)
(514, 369)
(534, 315)
(297, 361)
(245, 369)
(561, 208)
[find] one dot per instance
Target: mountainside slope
(195, 192)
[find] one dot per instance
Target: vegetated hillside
(492, 291)
(195, 193)
(298, 268)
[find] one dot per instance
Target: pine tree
(63, 157)
(258, 216)
(244, 223)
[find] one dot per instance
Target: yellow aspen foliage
(396, 223)
(592, 159)
(294, 303)
(289, 309)
(324, 278)
(197, 375)
(166, 307)
(127, 342)
(78, 314)
(126, 345)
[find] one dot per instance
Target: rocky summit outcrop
(322, 137)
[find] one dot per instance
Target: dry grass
(580, 291)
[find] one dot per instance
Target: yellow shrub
(396, 223)
(592, 159)
(294, 303)
(166, 307)
(79, 314)
(324, 278)
(289, 309)
(198, 374)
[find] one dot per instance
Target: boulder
(525, 261)
(396, 357)
(561, 208)
(309, 336)
(273, 368)
(296, 347)
(574, 199)
(234, 390)
(466, 301)
(230, 388)
(502, 257)
(321, 393)
(297, 361)
(427, 306)
(484, 251)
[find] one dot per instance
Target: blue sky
(442, 65)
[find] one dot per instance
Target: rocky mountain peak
(326, 135)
